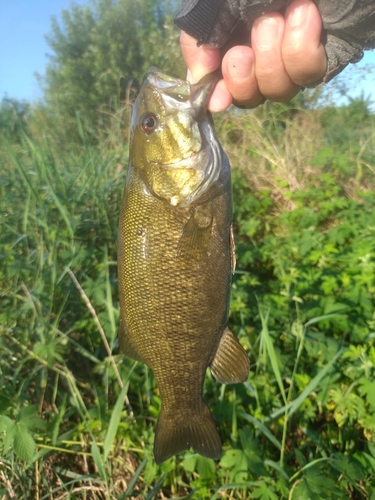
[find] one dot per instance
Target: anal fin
(231, 363)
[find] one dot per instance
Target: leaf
(189, 462)
(28, 419)
(205, 468)
(367, 388)
(9, 437)
(230, 458)
(236, 462)
(24, 444)
(316, 484)
(5, 423)
(350, 468)
(253, 453)
(371, 448)
(264, 492)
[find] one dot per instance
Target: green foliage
(302, 305)
(13, 118)
(100, 54)
(18, 434)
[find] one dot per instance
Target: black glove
(349, 25)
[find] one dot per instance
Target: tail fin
(197, 431)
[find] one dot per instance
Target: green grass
(77, 419)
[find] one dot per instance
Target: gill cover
(175, 149)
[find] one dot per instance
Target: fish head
(172, 138)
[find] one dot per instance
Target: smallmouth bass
(175, 259)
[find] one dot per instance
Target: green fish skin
(175, 259)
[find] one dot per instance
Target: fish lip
(168, 85)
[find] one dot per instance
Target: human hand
(285, 54)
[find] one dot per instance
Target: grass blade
(308, 465)
(114, 422)
(156, 488)
(22, 173)
(263, 429)
(234, 486)
(272, 353)
(98, 459)
(116, 414)
(313, 384)
(276, 466)
(134, 479)
(296, 403)
(313, 321)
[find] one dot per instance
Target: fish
(176, 257)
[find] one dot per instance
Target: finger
(271, 74)
(238, 69)
(303, 53)
(220, 99)
(200, 60)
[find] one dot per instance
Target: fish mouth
(175, 88)
(185, 93)
(185, 162)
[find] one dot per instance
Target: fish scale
(175, 263)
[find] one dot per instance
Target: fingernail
(194, 77)
(240, 68)
(267, 29)
(297, 14)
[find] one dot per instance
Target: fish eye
(149, 123)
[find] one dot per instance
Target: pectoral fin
(196, 233)
(126, 345)
(231, 363)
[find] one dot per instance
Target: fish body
(175, 259)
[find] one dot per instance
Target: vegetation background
(76, 418)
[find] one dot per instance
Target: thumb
(200, 60)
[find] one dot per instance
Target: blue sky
(23, 49)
